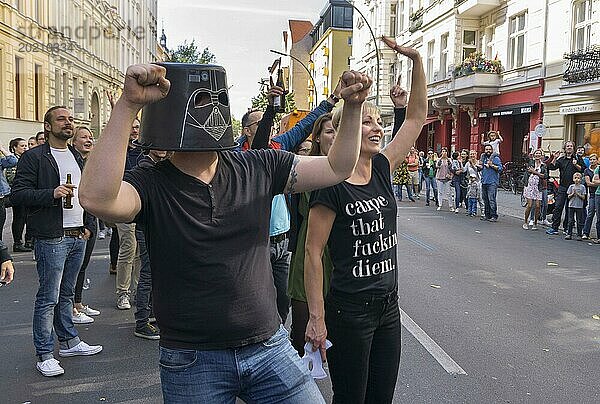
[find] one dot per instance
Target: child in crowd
(472, 195)
(577, 195)
(494, 140)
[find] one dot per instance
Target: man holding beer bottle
(46, 182)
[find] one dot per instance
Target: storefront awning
(507, 110)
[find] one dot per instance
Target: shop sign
(579, 109)
(506, 111)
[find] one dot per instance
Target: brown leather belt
(73, 232)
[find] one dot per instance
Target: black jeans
(575, 212)
(18, 224)
(144, 287)
(2, 216)
(560, 202)
(113, 247)
(365, 356)
(89, 248)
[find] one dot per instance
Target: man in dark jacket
(46, 182)
(567, 165)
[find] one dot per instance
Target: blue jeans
(267, 372)
(472, 206)
(280, 264)
(144, 286)
(58, 263)
(489, 192)
(430, 184)
(591, 212)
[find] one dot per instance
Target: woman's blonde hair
(367, 108)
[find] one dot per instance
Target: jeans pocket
(177, 359)
(279, 337)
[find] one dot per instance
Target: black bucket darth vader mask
(194, 116)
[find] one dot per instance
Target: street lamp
(303, 65)
(376, 49)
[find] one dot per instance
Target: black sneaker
(18, 247)
(147, 331)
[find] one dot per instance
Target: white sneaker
(81, 349)
(525, 226)
(50, 367)
(101, 235)
(439, 208)
(82, 318)
(546, 223)
(89, 311)
(534, 227)
(123, 302)
(531, 222)
(457, 209)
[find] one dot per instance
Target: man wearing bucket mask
(257, 128)
(213, 294)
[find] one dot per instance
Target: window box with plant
(477, 63)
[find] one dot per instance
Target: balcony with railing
(475, 8)
(477, 76)
(416, 20)
(582, 65)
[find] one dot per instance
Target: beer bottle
(68, 203)
(279, 102)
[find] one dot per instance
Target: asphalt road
(499, 315)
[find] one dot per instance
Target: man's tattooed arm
(293, 177)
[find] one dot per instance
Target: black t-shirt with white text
(363, 239)
(208, 244)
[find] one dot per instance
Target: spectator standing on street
(128, 260)
(536, 178)
(443, 176)
(596, 182)
(351, 218)
(60, 227)
(429, 170)
(18, 146)
(31, 142)
(576, 193)
(83, 142)
(457, 178)
(7, 162)
(143, 302)
(40, 138)
(402, 179)
(490, 178)
(472, 196)
(473, 168)
(588, 175)
(421, 177)
(494, 140)
(567, 165)
(213, 292)
(413, 163)
(257, 129)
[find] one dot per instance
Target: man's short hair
(246, 117)
(48, 114)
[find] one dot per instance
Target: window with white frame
(516, 41)
(582, 24)
(393, 18)
(443, 56)
(469, 43)
(401, 16)
(430, 60)
(490, 43)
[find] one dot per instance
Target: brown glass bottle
(279, 102)
(68, 203)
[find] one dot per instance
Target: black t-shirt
(208, 244)
(363, 239)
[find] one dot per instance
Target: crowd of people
(179, 220)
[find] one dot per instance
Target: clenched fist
(355, 87)
(145, 84)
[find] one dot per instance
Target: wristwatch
(334, 97)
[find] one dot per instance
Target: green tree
(236, 125)
(189, 53)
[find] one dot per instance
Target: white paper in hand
(313, 360)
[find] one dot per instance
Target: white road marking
(431, 346)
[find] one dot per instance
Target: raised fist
(355, 87)
(403, 50)
(399, 96)
(145, 84)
